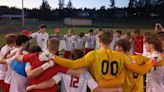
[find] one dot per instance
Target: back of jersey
(76, 84)
(108, 64)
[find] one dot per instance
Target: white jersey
(18, 83)
(146, 53)
(114, 40)
(90, 41)
(5, 49)
(75, 84)
(9, 70)
(79, 42)
(112, 43)
(97, 42)
(69, 40)
(155, 80)
(41, 39)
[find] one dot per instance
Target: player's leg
(1, 85)
(6, 87)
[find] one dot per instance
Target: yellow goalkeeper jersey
(106, 66)
(134, 81)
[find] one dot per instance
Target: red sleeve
(61, 69)
(26, 58)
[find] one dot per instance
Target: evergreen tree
(69, 5)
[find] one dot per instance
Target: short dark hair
(106, 37)
(119, 31)
(21, 39)
(81, 34)
(137, 31)
(91, 30)
(128, 34)
(156, 42)
(100, 30)
(76, 53)
(125, 44)
(34, 49)
(42, 26)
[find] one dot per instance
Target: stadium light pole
(22, 13)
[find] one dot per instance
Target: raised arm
(19, 55)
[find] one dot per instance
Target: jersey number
(113, 66)
(74, 82)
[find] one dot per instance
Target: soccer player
(97, 38)
(159, 28)
(79, 41)
(133, 80)
(161, 37)
(146, 53)
(57, 36)
(155, 76)
(10, 44)
(90, 41)
(41, 37)
(69, 40)
(138, 42)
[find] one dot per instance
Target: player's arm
(19, 55)
(75, 64)
(10, 55)
(115, 82)
(3, 61)
(140, 69)
(32, 73)
(46, 84)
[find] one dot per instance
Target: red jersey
(138, 44)
(46, 75)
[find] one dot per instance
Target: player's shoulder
(46, 33)
(86, 75)
(119, 54)
(3, 48)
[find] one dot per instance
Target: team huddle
(106, 62)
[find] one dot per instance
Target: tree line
(136, 9)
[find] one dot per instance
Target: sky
(54, 3)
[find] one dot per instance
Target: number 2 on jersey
(74, 82)
(105, 67)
